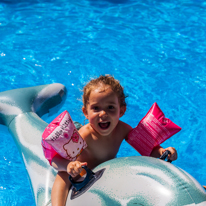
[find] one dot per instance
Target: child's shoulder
(85, 131)
(125, 125)
(84, 128)
(124, 128)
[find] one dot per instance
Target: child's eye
(111, 107)
(95, 108)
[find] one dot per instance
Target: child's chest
(104, 149)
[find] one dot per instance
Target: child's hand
(173, 155)
(75, 168)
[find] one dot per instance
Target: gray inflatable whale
(124, 181)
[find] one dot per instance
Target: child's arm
(158, 151)
(62, 184)
(60, 189)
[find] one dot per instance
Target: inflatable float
(125, 181)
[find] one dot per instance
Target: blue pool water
(156, 48)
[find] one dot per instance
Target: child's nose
(103, 113)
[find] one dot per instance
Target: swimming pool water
(155, 48)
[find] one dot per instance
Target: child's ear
(122, 110)
(84, 110)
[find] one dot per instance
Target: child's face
(103, 110)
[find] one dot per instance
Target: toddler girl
(103, 105)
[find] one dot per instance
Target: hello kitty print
(64, 138)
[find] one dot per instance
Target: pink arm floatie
(151, 131)
(49, 152)
(61, 137)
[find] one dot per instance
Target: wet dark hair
(104, 80)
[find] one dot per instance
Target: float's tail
(20, 111)
(39, 99)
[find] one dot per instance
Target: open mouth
(104, 125)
